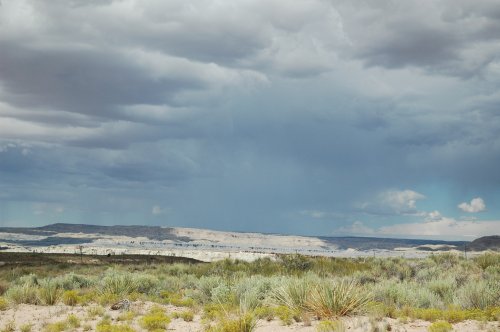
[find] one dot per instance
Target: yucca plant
(294, 294)
(342, 298)
(49, 292)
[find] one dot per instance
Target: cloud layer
(295, 117)
(443, 228)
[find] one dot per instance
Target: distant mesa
(485, 243)
(155, 238)
(150, 232)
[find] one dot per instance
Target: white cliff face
(201, 255)
(20, 237)
(248, 239)
(200, 244)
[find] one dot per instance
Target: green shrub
(105, 325)
(72, 281)
(427, 274)
(286, 314)
(85, 297)
(73, 321)
(176, 299)
(95, 311)
(212, 311)
(222, 294)
(487, 259)
(171, 284)
(126, 316)
(156, 319)
(266, 313)
(206, 284)
(440, 326)
(445, 259)
(401, 294)
(70, 297)
(429, 314)
(28, 279)
(9, 327)
(243, 323)
(115, 328)
(380, 310)
(187, 316)
(26, 327)
(182, 302)
(105, 299)
(444, 288)
(331, 326)
(364, 278)
(249, 300)
(479, 294)
(3, 287)
(295, 264)
(118, 283)
(254, 290)
(3, 304)
(56, 327)
(49, 292)
(25, 293)
(494, 313)
(453, 315)
(145, 283)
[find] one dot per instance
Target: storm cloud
(249, 115)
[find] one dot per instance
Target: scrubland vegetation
(234, 295)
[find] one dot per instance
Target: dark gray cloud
(84, 81)
(458, 38)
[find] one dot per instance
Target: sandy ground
(39, 316)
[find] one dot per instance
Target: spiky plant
(294, 294)
(341, 298)
(49, 292)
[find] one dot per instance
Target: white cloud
(401, 200)
(434, 225)
(316, 214)
(444, 227)
(356, 228)
(475, 205)
(433, 216)
(158, 210)
(47, 209)
(394, 202)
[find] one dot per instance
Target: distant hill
(485, 243)
(61, 233)
(368, 243)
(151, 232)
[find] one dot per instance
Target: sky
(312, 117)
